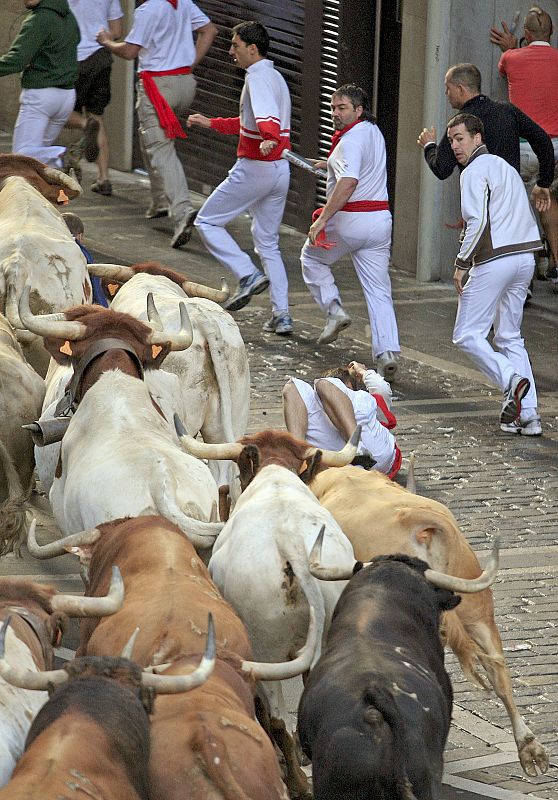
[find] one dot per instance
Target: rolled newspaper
(303, 163)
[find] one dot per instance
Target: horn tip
(355, 438)
(179, 426)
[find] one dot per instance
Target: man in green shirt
(45, 52)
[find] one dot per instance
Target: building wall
(11, 14)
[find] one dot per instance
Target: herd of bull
(314, 567)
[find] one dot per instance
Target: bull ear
(58, 625)
(313, 465)
(83, 553)
(447, 600)
(248, 464)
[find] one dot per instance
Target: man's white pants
(259, 187)
(42, 115)
(366, 236)
(494, 295)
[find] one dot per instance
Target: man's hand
(103, 37)
(458, 277)
(426, 136)
(267, 146)
(541, 198)
(198, 119)
(315, 229)
(504, 39)
(357, 369)
(318, 163)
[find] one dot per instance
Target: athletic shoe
(511, 407)
(281, 324)
(256, 283)
(156, 212)
(335, 323)
(183, 230)
(528, 427)
(70, 161)
(386, 365)
(102, 187)
(90, 135)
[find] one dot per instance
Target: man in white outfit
(500, 237)
(259, 180)
(331, 409)
(162, 39)
(355, 220)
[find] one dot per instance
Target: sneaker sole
(333, 336)
(511, 411)
(164, 212)
(243, 301)
(185, 236)
(389, 372)
(519, 431)
(287, 332)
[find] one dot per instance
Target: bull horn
(128, 649)
(115, 272)
(76, 606)
(464, 585)
(60, 546)
(153, 314)
(226, 450)
(52, 326)
(325, 573)
(57, 177)
(199, 290)
(11, 309)
(178, 341)
(338, 458)
(288, 669)
(48, 431)
(172, 684)
(23, 678)
(411, 484)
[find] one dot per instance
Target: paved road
(447, 415)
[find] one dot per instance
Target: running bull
(381, 517)
(375, 712)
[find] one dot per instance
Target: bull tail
(164, 489)
(216, 346)
(12, 510)
(379, 701)
(470, 656)
(295, 569)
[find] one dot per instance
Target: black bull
(375, 712)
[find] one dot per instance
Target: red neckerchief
(338, 134)
(173, 3)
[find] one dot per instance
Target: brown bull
(380, 517)
(169, 593)
(53, 184)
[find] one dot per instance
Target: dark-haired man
(500, 237)
(356, 220)
(259, 180)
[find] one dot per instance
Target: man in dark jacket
(504, 124)
(45, 52)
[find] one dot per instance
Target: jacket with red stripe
(265, 113)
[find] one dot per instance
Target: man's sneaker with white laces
(386, 365)
(183, 230)
(156, 212)
(511, 407)
(525, 427)
(335, 323)
(281, 324)
(248, 286)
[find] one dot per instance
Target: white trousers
(259, 187)
(42, 115)
(366, 236)
(494, 295)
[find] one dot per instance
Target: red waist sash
(167, 118)
(396, 466)
(356, 205)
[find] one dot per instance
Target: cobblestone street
(447, 415)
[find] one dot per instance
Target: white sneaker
(511, 407)
(386, 365)
(335, 323)
(527, 427)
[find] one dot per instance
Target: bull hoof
(533, 758)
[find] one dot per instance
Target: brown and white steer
(214, 374)
(21, 395)
(37, 247)
(380, 517)
(118, 456)
(210, 737)
(38, 618)
(92, 737)
(56, 186)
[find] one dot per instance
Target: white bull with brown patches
(36, 247)
(214, 373)
(118, 456)
(380, 518)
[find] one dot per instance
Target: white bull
(214, 373)
(260, 561)
(21, 395)
(37, 247)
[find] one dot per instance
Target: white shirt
(165, 34)
(92, 15)
(360, 154)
